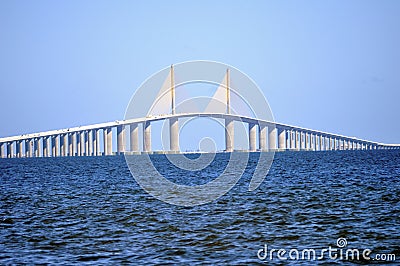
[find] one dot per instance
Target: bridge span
(97, 139)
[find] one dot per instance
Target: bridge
(98, 139)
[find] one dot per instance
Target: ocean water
(90, 210)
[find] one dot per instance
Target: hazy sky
(326, 65)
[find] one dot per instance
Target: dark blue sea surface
(90, 210)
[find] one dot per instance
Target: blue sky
(326, 65)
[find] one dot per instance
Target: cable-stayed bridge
(98, 139)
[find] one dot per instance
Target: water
(91, 211)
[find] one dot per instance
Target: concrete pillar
(65, 137)
(104, 141)
(262, 137)
(134, 138)
(78, 143)
(252, 137)
(45, 150)
(282, 139)
(109, 141)
(173, 134)
(21, 147)
(82, 143)
(147, 136)
(57, 145)
(9, 148)
(315, 142)
(90, 142)
(97, 142)
(272, 135)
(35, 148)
(62, 145)
(302, 142)
(229, 135)
(321, 143)
(86, 134)
(306, 140)
(1, 150)
(75, 144)
(48, 144)
(120, 139)
(292, 139)
(27, 154)
(288, 139)
(52, 146)
(70, 145)
(93, 142)
(17, 149)
(325, 143)
(297, 139)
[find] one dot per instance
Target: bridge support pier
(18, 149)
(9, 148)
(173, 135)
(147, 136)
(93, 142)
(69, 147)
(298, 140)
(86, 134)
(66, 147)
(45, 149)
(82, 143)
(229, 135)
(281, 139)
(272, 135)
(74, 144)
(252, 137)
(98, 152)
(109, 141)
(134, 138)
(262, 136)
(120, 139)
(36, 147)
(78, 143)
